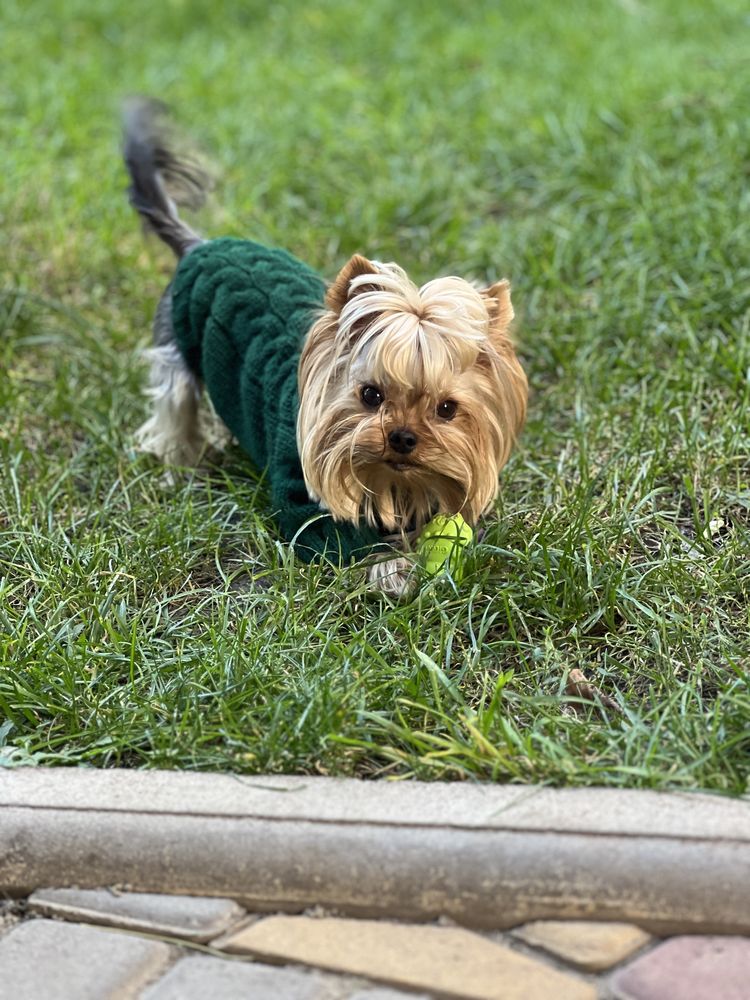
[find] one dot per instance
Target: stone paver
(589, 945)
(48, 960)
(445, 961)
(688, 968)
(200, 977)
(193, 918)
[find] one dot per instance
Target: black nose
(402, 440)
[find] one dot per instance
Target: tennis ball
(441, 545)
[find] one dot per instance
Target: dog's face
(410, 399)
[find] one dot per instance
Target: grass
(598, 155)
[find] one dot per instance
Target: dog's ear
(338, 293)
(499, 307)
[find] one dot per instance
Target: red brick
(689, 968)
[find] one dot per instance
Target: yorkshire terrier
(409, 398)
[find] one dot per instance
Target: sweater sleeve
(313, 531)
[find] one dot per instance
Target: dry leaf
(578, 687)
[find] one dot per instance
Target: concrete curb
(487, 856)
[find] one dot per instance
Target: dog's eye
(447, 409)
(371, 396)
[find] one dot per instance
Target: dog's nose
(402, 440)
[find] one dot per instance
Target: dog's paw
(395, 577)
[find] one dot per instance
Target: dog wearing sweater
(373, 400)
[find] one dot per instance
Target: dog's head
(410, 398)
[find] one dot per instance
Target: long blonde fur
(420, 346)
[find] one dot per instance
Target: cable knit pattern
(240, 313)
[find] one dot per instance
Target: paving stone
(587, 944)
(447, 961)
(49, 960)
(198, 977)
(689, 968)
(195, 918)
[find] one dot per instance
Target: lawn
(598, 155)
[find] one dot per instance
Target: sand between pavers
(447, 961)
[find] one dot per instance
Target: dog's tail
(163, 173)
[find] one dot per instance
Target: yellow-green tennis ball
(442, 545)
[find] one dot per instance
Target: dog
(406, 401)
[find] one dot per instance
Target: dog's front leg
(395, 577)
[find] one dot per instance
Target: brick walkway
(220, 887)
(67, 944)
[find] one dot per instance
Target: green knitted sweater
(240, 312)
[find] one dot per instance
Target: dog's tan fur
(445, 341)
